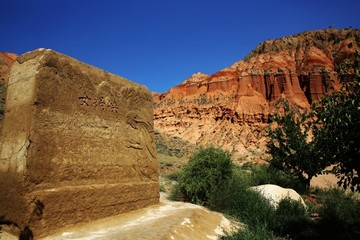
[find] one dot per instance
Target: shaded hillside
(232, 107)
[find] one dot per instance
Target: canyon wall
(232, 108)
(77, 144)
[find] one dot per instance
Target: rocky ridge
(232, 107)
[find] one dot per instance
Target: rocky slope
(232, 107)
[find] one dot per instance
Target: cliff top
(320, 39)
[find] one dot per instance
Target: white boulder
(276, 193)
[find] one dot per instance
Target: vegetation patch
(208, 170)
(210, 179)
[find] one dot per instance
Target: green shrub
(173, 176)
(290, 218)
(162, 188)
(165, 164)
(263, 221)
(266, 174)
(210, 178)
(260, 232)
(339, 212)
(245, 205)
(207, 171)
(176, 193)
(238, 201)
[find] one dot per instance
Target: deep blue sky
(160, 43)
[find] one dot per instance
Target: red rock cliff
(231, 108)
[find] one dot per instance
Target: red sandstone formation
(231, 108)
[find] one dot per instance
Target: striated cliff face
(232, 107)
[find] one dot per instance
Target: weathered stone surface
(6, 60)
(77, 144)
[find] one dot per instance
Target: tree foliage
(290, 147)
(207, 171)
(338, 125)
(334, 123)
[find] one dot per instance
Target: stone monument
(76, 144)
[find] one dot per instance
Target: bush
(262, 220)
(173, 176)
(238, 201)
(266, 174)
(162, 188)
(290, 218)
(208, 170)
(260, 232)
(176, 193)
(339, 212)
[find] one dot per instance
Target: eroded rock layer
(77, 144)
(232, 107)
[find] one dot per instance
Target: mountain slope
(232, 107)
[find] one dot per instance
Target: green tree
(337, 127)
(334, 123)
(290, 146)
(207, 171)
